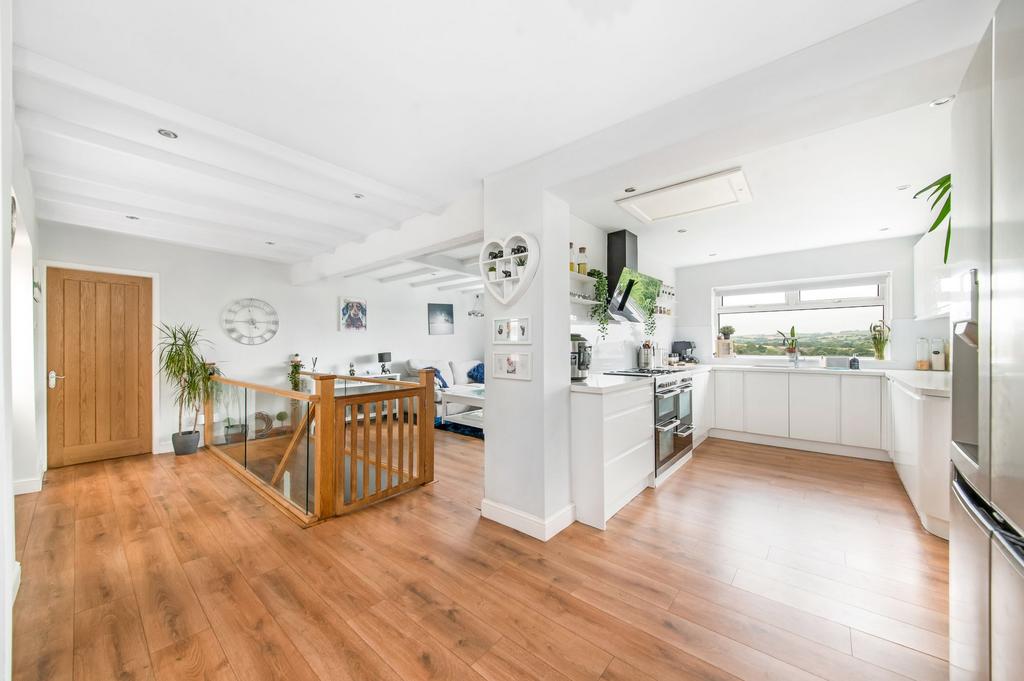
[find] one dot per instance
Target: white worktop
(933, 383)
(603, 383)
(802, 369)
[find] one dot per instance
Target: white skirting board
(28, 485)
(527, 523)
(805, 445)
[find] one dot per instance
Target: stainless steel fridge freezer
(986, 550)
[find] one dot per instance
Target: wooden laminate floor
(751, 563)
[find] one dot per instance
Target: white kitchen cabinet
(814, 407)
(728, 400)
(612, 446)
(703, 401)
(861, 420)
(920, 452)
(930, 300)
(766, 403)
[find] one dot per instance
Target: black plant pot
(185, 443)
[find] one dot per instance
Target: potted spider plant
(185, 369)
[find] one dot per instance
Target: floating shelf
(576, 276)
(582, 301)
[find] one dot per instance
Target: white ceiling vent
(711, 191)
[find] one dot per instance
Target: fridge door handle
(971, 510)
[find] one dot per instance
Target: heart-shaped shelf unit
(508, 266)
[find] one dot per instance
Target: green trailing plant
(599, 310)
(880, 332)
(650, 319)
(295, 365)
(941, 191)
(185, 369)
(789, 342)
(727, 331)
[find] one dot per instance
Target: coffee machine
(579, 357)
(685, 351)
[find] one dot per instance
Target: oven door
(666, 404)
(673, 441)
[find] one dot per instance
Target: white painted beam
(419, 272)
(461, 286)
(441, 280)
(30, 64)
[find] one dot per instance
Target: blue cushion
(476, 374)
(438, 378)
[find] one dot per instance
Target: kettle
(579, 357)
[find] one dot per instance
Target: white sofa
(453, 373)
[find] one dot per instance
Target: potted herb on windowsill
(186, 370)
(789, 341)
(727, 332)
(879, 337)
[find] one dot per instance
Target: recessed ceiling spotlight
(712, 255)
(629, 190)
(902, 187)
(681, 231)
(942, 100)
(132, 217)
(884, 229)
(270, 243)
(357, 195)
(169, 134)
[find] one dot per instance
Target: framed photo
(440, 319)
(351, 314)
(512, 331)
(514, 365)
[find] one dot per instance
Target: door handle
(51, 379)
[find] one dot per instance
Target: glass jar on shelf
(581, 260)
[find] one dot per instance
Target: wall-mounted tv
(634, 296)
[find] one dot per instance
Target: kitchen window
(831, 316)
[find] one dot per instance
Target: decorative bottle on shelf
(581, 260)
(572, 258)
(923, 361)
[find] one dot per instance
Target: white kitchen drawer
(623, 474)
(624, 400)
(766, 403)
(627, 429)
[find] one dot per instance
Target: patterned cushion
(476, 374)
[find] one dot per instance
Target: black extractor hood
(621, 253)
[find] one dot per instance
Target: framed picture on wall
(351, 314)
(512, 331)
(514, 365)
(440, 319)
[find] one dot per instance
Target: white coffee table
(469, 395)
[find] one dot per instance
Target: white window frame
(793, 303)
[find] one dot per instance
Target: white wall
(9, 567)
(196, 285)
(618, 350)
(695, 320)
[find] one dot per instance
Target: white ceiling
(284, 116)
(831, 188)
(427, 96)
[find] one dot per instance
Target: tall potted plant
(185, 369)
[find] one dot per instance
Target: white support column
(526, 471)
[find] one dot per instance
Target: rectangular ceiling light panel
(726, 188)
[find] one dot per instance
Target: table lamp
(384, 358)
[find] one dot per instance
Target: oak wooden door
(99, 344)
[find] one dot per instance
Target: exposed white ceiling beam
(47, 124)
(440, 280)
(406, 275)
(46, 175)
(447, 264)
(240, 233)
(27, 63)
(171, 234)
(461, 287)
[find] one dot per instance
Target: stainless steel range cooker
(673, 415)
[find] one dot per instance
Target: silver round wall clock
(250, 321)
